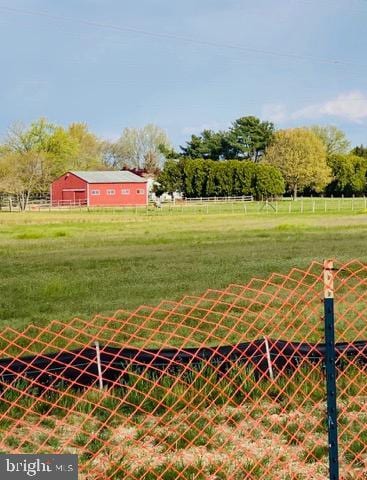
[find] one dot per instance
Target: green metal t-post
(330, 370)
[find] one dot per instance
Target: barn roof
(109, 177)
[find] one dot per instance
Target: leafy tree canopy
(360, 151)
(89, 152)
(300, 156)
(246, 139)
(32, 157)
(334, 139)
(208, 178)
(207, 145)
(170, 178)
(349, 174)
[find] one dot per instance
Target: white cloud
(275, 112)
(350, 106)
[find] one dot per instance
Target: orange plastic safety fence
(202, 388)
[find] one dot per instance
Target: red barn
(119, 188)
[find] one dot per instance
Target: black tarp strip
(80, 367)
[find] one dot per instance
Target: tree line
(310, 160)
(251, 157)
(210, 178)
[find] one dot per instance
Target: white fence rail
(245, 204)
(243, 198)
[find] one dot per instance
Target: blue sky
(184, 66)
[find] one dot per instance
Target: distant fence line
(243, 198)
(245, 204)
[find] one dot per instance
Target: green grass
(60, 265)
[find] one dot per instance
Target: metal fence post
(330, 369)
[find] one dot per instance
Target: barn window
(140, 191)
(95, 192)
(111, 192)
(125, 191)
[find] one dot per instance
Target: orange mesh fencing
(227, 385)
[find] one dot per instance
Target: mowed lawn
(58, 265)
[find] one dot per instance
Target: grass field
(59, 265)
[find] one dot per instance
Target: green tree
(244, 181)
(360, 151)
(220, 179)
(211, 187)
(22, 174)
(168, 152)
(301, 158)
(268, 181)
(170, 178)
(348, 174)
(195, 175)
(32, 157)
(248, 138)
(209, 145)
(208, 178)
(334, 139)
(89, 149)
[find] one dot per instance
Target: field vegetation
(196, 424)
